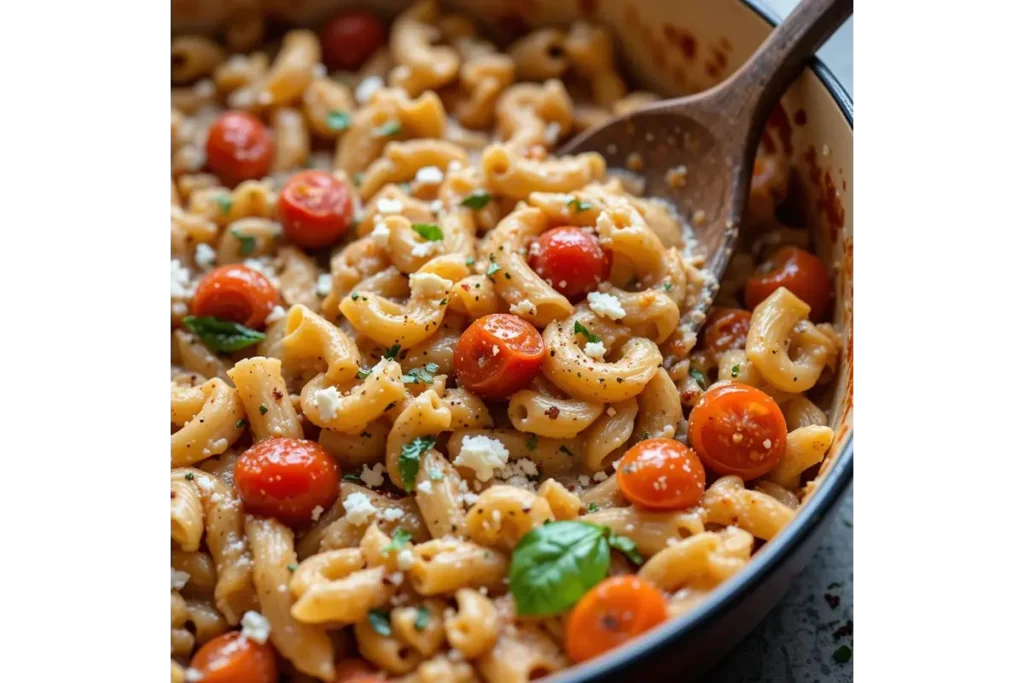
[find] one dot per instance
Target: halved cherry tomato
(287, 479)
(571, 259)
(726, 328)
(662, 474)
(356, 670)
(737, 429)
(315, 209)
(498, 355)
(799, 271)
(233, 658)
(238, 147)
(612, 612)
(236, 293)
(349, 39)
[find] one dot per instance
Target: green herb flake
(352, 476)
(443, 301)
(338, 120)
(577, 206)
(626, 546)
(592, 507)
(224, 202)
(470, 261)
(222, 335)
(247, 243)
(477, 199)
(409, 460)
(587, 334)
(240, 424)
(355, 296)
(492, 268)
(380, 621)
(398, 539)
(190, 476)
(392, 352)
(292, 566)
(843, 654)
(429, 231)
(387, 129)
(422, 618)
(736, 370)
(699, 378)
(363, 374)
(358, 178)
(564, 449)
(667, 286)
(424, 375)
(263, 409)
(531, 442)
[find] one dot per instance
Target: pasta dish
(435, 415)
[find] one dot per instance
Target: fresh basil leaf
(577, 206)
(587, 334)
(555, 564)
(224, 202)
(380, 621)
(387, 129)
(429, 231)
(477, 199)
(699, 377)
(424, 375)
(248, 242)
(398, 539)
(422, 618)
(392, 352)
(626, 546)
(222, 335)
(409, 460)
(338, 120)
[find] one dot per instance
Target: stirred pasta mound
(436, 410)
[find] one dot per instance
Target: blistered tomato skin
(571, 259)
(611, 613)
(287, 479)
(737, 429)
(315, 209)
(725, 329)
(498, 355)
(233, 658)
(799, 271)
(236, 293)
(238, 147)
(349, 39)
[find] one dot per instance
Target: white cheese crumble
(265, 267)
(483, 455)
(405, 559)
(595, 350)
(205, 484)
(179, 579)
(193, 675)
(373, 477)
(366, 88)
(584, 480)
(424, 486)
(424, 249)
(436, 206)
(327, 402)
(380, 235)
(386, 205)
(607, 305)
(358, 508)
(392, 514)
(429, 175)
(255, 627)
(181, 286)
(428, 285)
(276, 313)
(323, 284)
(495, 350)
(599, 477)
(206, 256)
(524, 307)
(316, 512)
(518, 472)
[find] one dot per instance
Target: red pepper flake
(832, 600)
(552, 412)
(278, 395)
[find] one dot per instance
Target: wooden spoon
(714, 134)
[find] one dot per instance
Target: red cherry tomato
(355, 670)
(726, 328)
(662, 474)
(799, 271)
(238, 147)
(498, 355)
(571, 259)
(349, 39)
(236, 293)
(233, 658)
(287, 479)
(612, 612)
(737, 429)
(315, 209)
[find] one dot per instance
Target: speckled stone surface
(797, 641)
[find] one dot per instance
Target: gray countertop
(798, 640)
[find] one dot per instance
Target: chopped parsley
(247, 243)
(387, 129)
(429, 231)
(398, 539)
(576, 205)
(363, 374)
(292, 566)
(531, 442)
(492, 268)
(352, 476)
(380, 621)
(409, 459)
(443, 301)
(587, 334)
(424, 375)
(699, 377)
(564, 449)
(263, 409)
(477, 199)
(392, 352)
(592, 507)
(189, 476)
(240, 424)
(470, 261)
(338, 120)
(736, 370)
(224, 202)
(422, 618)
(667, 286)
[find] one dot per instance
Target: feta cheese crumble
(428, 285)
(179, 579)
(327, 402)
(316, 512)
(358, 508)
(255, 627)
(276, 313)
(405, 559)
(205, 255)
(181, 286)
(607, 305)
(423, 249)
(323, 284)
(380, 235)
(595, 350)
(429, 175)
(483, 455)
(392, 514)
(524, 307)
(388, 206)
(366, 88)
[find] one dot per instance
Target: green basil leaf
(429, 231)
(338, 120)
(222, 335)
(477, 199)
(422, 618)
(409, 460)
(587, 334)
(392, 352)
(380, 621)
(387, 129)
(626, 546)
(424, 375)
(398, 539)
(555, 564)
(577, 206)
(248, 242)
(699, 377)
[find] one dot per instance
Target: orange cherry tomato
(236, 293)
(355, 670)
(571, 259)
(737, 429)
(661, 473)
(233, 658)
(799, 271)
(287, 479)
(349, 39)
(498, 355)
(726, 328)
(612, 612)
(238, 147)
(315, 209)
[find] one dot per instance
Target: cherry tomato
(498, 355)
(571, 259)
(315, 209)
(662, 474)
(233, 658)
(287, 479)
(737, 429)
(726, 328)
(236, 293)
(349, 39)
(238, 147)
(355, 670)
(799, 271)
(612, 612)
